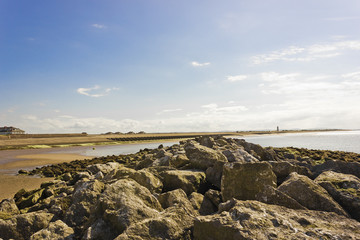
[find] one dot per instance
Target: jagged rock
(56, 230)
(244, 181)
(310, 194)
(188, 180)
(179, 161)
(22, 226)
(214, 174)
(8, 208)
(196, 200)
(120, 173)
(171, 198)
(344, 188)
(271, 195)
(352, 168)
(104, 168)
(84, 198)
(257, 151)
(207, 141)
(173, 223)
(148, 180)
(239, 155)
(202, 157)
(210, 203)
(147, 161)
(26, 199)
(256, 220)
(81, 175)
(282, 169)
(66, 177)
(125, 202)
(99, 230)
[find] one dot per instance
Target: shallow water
(348, 141)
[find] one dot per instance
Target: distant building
(10, 130)
(277, 129)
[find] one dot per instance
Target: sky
(179, 66)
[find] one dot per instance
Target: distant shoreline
(39, 141)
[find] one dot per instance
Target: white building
(10, 130)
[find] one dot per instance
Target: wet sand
(16, 159)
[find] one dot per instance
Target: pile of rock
(199, 189)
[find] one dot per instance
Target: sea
(348, 141)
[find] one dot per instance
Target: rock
(310, 194)
(173, 223)
(179, 161)
(352, 168)
(84, 198)
(28, 199)
(148, 180)
(282, 169)
(8, 208)
(256, 220)
(202, 157)
(66, 177)
(257, 151)
(56, 230)
(120, 173)
(207, 141)
(271, 195)
(188, 180)
(196, 200)
(125, 202)
(245, 181)
(104, 168)
(171, 198)
(23, 226)
(343, 188)
(99, 230)
(210, 203)
(214, 174)
(239, 155)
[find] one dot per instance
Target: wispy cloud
(95, 91)
(236, 78)
(99, 26)
(307, 53)
(197, 64)
(170, 110)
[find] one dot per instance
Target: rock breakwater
(207, 188)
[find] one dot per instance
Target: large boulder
(202, 157)
(188, 180)
(173, 223)
(210, 203)
(338, 166)
(245, 180)
(103, 168)
(148, 180)
(125, 202)
(56, 230)
(272, 195)
(256, 220)
(174, 197)
(310, 194)
(8, 208)
(23, 226)
(282, 169)
(344, 188)
(257, 151)
(239, 155)
(83, 203)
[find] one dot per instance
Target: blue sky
(172, 66)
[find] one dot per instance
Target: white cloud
(236, 78)
(99, 26)
(197, 64)
(170, 110)
(307, 53)
(99, 92)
